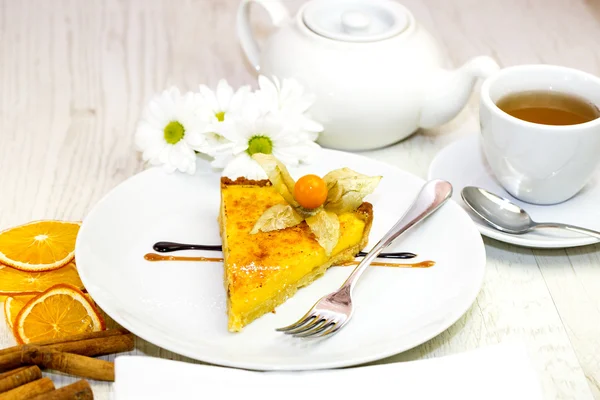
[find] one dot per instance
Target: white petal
(168, 101)
(308, 135)
(250, 109)
(244, 166)
(172, 158)
(224, 94)
(231, 132)
(189, 105)
(160, 111)
(197, 141)
(209, 97)
(163, 156)
(192, 122)
(267, 97)
(147, 135)
(311, 125)
(238, 100)
(169, 168)
(271, 126)
(151, 153)
(276, 83)
(297, 104)
(239, 138)
(299, 152)
(182, 157)
(266, 85)
(172, 92)
(221, 160)
(209, 143)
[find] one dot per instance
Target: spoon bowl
(497, 211)
(506, 216)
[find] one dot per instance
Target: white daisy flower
(219, 109)
(168, 125)
(263, 134)
(288, 100)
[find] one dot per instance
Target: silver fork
(333, 311)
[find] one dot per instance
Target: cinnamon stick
(21, 377)
(72, 338)
(72, 364)
(29, 390)
(79, 390)
(90, 347)
(12, 371)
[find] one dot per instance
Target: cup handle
(278, 13)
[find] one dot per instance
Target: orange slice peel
(15, 282)
(60, 311)
(39, 245)
(12, 306)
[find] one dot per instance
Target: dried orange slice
(39, 245)
(60, 311)
(15, 282)
(12, 306)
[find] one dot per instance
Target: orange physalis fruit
(17, 282)
(12, 306)
(61, 311)
(39, 245)
(310, 191)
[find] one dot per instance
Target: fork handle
(432, 195)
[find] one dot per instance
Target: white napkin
(497, 372)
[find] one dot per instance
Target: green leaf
(347, 189)
(280, 216)
(326, 228)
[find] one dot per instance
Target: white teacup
(540, 164)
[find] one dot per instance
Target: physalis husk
(346, 191)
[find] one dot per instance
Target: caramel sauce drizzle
(422, 264)
(161, 257)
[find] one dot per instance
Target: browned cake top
(253, 259)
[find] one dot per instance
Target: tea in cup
(540, 127)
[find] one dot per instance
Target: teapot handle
(278, 13)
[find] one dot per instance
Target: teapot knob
(355, 21)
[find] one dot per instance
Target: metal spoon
(508, 217)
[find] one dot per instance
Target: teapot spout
(449, 91)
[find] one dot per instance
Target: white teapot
(376, 73)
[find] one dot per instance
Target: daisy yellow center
(220, 116)
(260, 144)
(174, 132)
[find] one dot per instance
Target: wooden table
(74, 76)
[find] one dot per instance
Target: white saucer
(463, 164)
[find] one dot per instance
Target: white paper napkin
(497, 372)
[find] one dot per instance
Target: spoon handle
(572, 228)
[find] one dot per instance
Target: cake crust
(241, 181)
(267, 268)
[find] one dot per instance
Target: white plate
(181, 306)
(463, 164)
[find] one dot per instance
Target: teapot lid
(356, 20)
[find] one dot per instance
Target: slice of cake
(264, 269)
